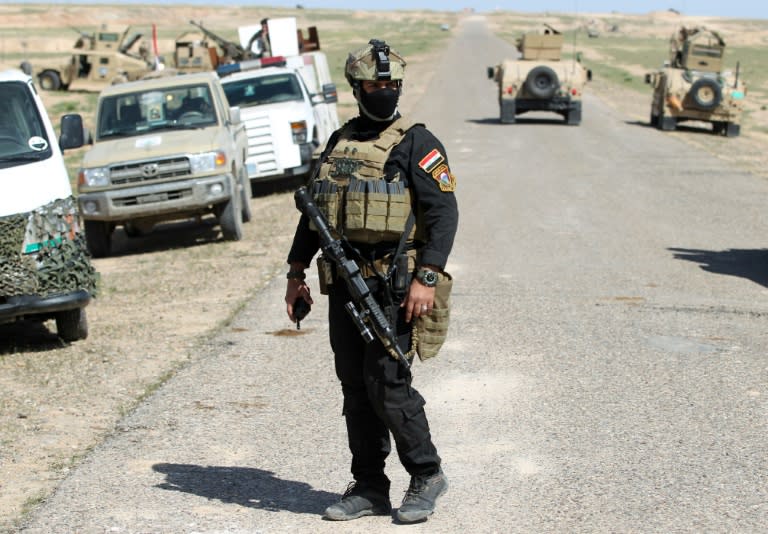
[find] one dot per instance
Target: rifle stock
(363, 308)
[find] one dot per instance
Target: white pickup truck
(288, 104)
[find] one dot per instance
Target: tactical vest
(353, 193)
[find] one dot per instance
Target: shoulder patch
(444, 178)
(431, 160)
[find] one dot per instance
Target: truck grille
(151, 198)
(149, 171)
(261, 145)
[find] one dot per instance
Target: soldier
(261, 41)
(406, 166)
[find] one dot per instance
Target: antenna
(575, 32)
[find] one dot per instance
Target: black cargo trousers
(378, 397)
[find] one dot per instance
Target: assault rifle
(363, 308)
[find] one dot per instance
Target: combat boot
(360, 500)
(419, 501)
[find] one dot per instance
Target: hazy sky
(752, 9)
(722, 8)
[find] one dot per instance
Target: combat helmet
(376, 61)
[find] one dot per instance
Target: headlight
(299, 131)
(207, 161)
(98, 176)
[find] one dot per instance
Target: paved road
(605, 373)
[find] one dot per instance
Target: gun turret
(697, 48)
(81, 33)
(84, 38)
(232, 51)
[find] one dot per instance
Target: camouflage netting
(17, 273)
(60, 265)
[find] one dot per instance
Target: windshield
(137, 113)
(22, 134)
(263, 90)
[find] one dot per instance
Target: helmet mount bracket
(381, 54)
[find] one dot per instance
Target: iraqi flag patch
(444, 178)
(431, 160)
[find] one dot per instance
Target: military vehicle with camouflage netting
(539, 79)
(693, 85)
(45, 269)
(98, 59)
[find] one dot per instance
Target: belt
(378, 250)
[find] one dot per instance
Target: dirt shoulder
(161, 297)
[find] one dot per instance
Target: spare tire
(542, 82)
(706, 93)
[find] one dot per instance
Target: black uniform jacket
(419, 151)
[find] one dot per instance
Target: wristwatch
(427, 277)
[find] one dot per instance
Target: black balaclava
(380, 105)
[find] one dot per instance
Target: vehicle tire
(49, 80)
(245, 189)
(654, 120)
(542, 82)
(72, 325)
(26, 67)
(667, 124)
(706, 93)
(732, 130)
(98, 237)
(508, 111)
(573, 115)
(231, 219)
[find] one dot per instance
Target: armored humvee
(98, 59)
(539, 79)
(693, 85)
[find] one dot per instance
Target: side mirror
(648, 78)
(330, 95)
(72, 133)
(490, 72)
(589, 75)
(234, 115)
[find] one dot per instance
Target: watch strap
(296, 275)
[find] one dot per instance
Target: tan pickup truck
(168, 148)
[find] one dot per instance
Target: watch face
(428, 278)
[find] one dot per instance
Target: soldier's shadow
(751, 264)
(246, 486)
